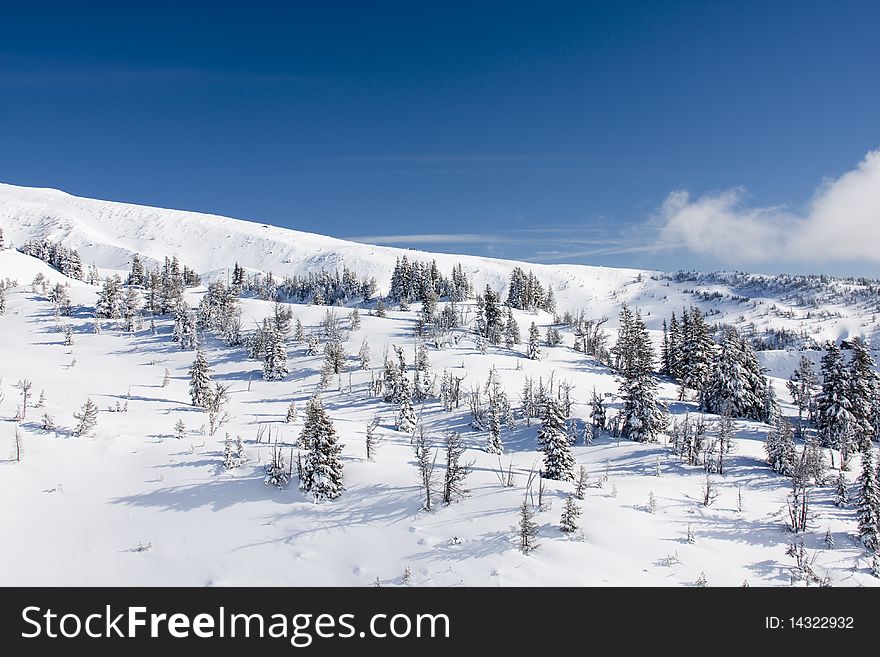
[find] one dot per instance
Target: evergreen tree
(642, 415)
(863, 390)
(87, 419)
(109, 301)
(200, 388)
(597, 411)
(801, 386)
(354, 319)
(275, 358)
(136, 276)
(780, 449)
(494, 443)
(869, 503)
(693, 362)
(180, 430)
(456, 471)
(553, 441)
(494, 327)
(406, 418)
(570, 513)
(291, 413)
(321, 471)
(534, 351)
(528, 528)
(511, 330)
(835, 422)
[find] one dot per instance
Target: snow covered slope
(107, 234)
(136, 505)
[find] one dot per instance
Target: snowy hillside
(145, 499)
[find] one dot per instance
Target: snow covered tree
(737, 386)
(354, 319)
(863, 390)
(275, 358)
(841, 491)
(511, 331)
(570, 513)
(200, 388)
(87, 419)
(47, 423)
(109, 301)
(692, 351)
(321, 471)
(364, 355)
(406, 418)
(528, 528)
(137, 276)
(282, 316)
(554, 337)
(494, 444)
(179, 430)
(801, 386)
(869, 503)
(456, 471)
(835, 422)
(291, 413)
(642, 416)
(780, 449)
(598, 415)
(553, 441)
(334, 357)
(492, 318)
(425, 462)
(534, 350)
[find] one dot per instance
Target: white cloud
(841, 222)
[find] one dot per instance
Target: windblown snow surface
(134, 505)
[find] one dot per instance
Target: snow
(133, 505)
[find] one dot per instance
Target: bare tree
(25, 386)
(425, 462)
(373, 438)
(456, 471)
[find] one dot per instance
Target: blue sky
(544, 131)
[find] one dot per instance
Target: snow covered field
(136, 505)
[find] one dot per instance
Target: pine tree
(693, 352)
(166, 378)
(275, 359)
(354, 319)
(642, 415)
(801, 386)
(109, 301)
(528, 528)
(456, 471)
(291, 413)
(47, 423)
(869, 503)
(87, 419)
(494, 444)
(200, 388)
(180, 430)
(511, 331)
(863, 390)
(364, 355)
(841, 491)
(570, 513)
(321, 472)
(406, 418)
(553, 441)
(534, 350)
(780, 449)
(835, 422)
